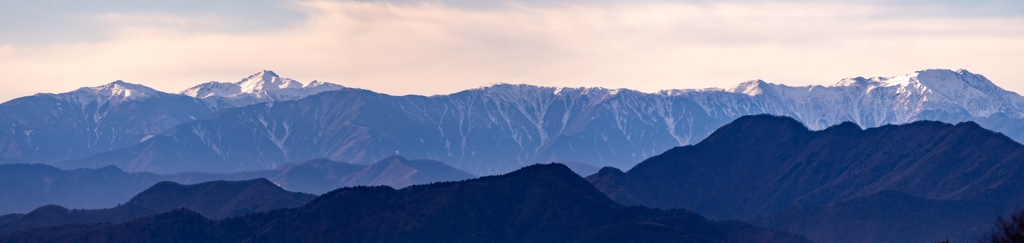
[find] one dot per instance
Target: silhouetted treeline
(1008, 230)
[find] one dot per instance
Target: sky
(438, 47)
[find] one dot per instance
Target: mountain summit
(260, 87)
(114, 93)
(267, 80)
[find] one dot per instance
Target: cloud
(121, 21)
(434, 49)
(6, 50)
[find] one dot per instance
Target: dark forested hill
(759, 165)
(216, 199)
(540, 203)
(889, 216)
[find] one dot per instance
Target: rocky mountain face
(502, 127)
(216, 200)
(25, 187)
(760, 165)
(264, 86)
(540, 203)
(54, 127)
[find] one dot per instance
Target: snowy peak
(959, 85)
(211, 89)
(527, 91)
(263, 86)
(857, 82)
(751, 88)
(934, 79)
(266, 80)
(318, 86)
(948, 80)
(117, 91)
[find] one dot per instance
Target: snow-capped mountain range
(943, 95)
(263, 86)
(52, 127)
(495, 128)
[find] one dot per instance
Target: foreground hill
(26, 187)
(217, 200)
(760, 165)
(540, 203)
(499, 128)
(889, 216)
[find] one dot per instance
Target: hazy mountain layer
(26, 187)
(217, 200)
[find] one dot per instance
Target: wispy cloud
(433, 48)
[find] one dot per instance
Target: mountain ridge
(527, 124)
(531, 124)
